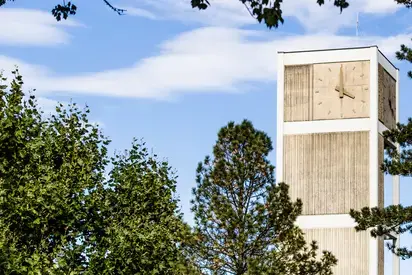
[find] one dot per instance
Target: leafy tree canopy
(49, 170)
(64, 9)
(58, 212)
(270, 11)
(245, 223)
(142, 225)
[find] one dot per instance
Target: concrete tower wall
(332, 107)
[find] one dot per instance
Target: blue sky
(174, 76)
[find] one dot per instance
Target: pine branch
(405, 53)
(406, 3)
(392, 219)
(399, 162)
(245, 219)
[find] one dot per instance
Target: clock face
(341, 90)
(387, 98)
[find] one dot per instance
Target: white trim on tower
(279, 116)
(325, 221)
(381, 127)
(373, 154)
(326, 126)
(312, 57)
(387, 65)
(396, 268)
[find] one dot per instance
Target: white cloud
(32, 27)
(382, 6)
(204, 60)
(47, 105)
(227, 13)
(8, 64)
(329, 19)
(232, 13)
(139, 12)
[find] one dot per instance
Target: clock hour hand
(345, 92)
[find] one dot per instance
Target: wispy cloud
(205, 60)
(329, 19)
(33, 28)
(47, 105)
(221, 13)
(139, 12)
(231, 13)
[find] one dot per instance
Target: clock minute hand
(341, 89)
(345, 92)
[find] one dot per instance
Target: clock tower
(332, 107)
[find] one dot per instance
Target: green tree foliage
(270, 11)
(64, 9)
(58, 212)
(405, 53)
(267, 11)
(395, 218)
(142, 224)
(48, 170)
(245, 223)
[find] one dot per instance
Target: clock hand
(348, 94)
(345, 92)
(341, 89)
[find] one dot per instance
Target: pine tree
(395, 218)
(244, 222)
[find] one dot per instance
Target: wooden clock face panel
(341, 90)
(387, 98)
(327, 91)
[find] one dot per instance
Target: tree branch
(117, 10)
